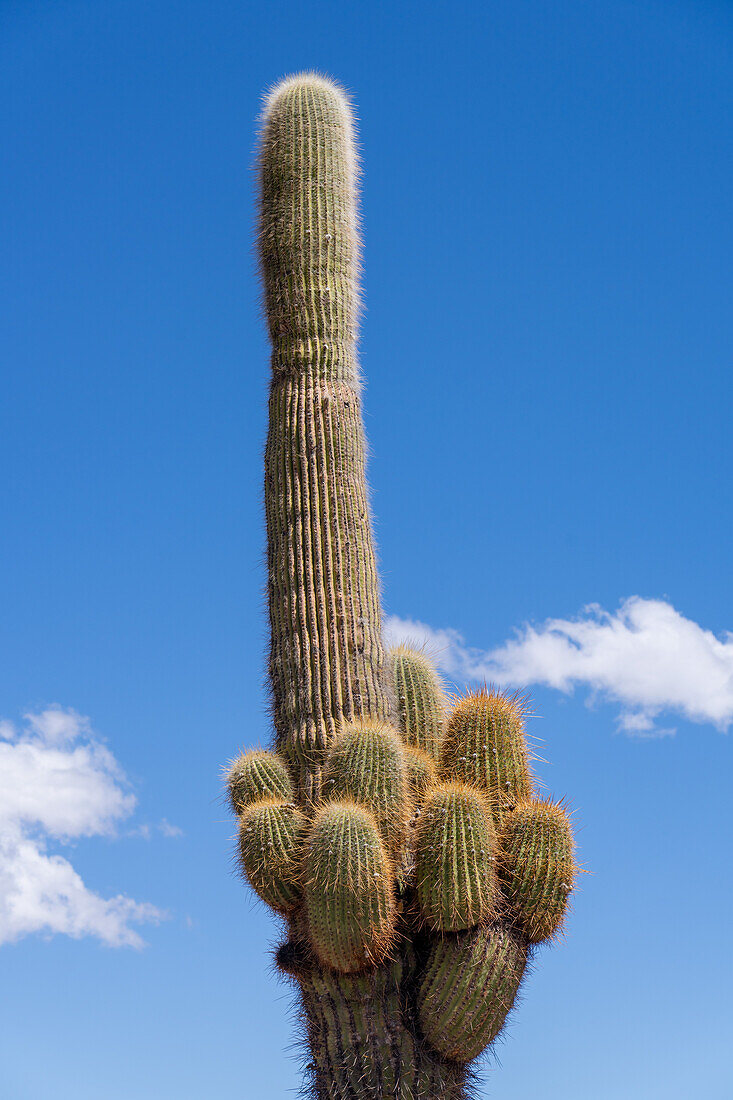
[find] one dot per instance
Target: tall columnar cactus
(399, 839)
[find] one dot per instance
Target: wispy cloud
(146, 831)
(58, 783)
(645, 656)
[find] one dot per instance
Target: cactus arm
(537, 867)
(367, 764)
(485, 745)
(420, 698)
(349, 900)
(255, 776)
(455, 855)
(468, 988)
(271, 837)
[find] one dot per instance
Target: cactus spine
(400, 843)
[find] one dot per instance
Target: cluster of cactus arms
(394, 831)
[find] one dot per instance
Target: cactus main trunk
(326, 655)
(364, 1040)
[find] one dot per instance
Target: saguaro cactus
(398, 838)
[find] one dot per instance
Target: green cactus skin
(484, 745)
(326, 654)
(256, 776)
(367, 765)
(537, 867)
(468, 989)
(422, 773)
(421, 700)
(271, 836)
(376, 844)
(455, 856)
(348, 891)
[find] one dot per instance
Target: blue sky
(548, 224)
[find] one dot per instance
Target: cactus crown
(309, 241)
(397, 836)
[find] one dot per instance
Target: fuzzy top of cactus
(538, 866)
(367, 765)
(257, 775)
(308, 229)
(420, 698)
(348, 888)
(485, 745)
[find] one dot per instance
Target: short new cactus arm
(396, 836)
(538, 867)
(421, 701)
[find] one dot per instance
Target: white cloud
(146, 830)
(645, 656)
(58, 784)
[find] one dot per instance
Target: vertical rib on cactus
(422, 773)
(326, 652)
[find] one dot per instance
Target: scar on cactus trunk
(397, 835)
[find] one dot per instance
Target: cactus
(255, 776)
(399, 839)
(349, 900)
(455, 850)
(420, 700)
(271, 836)
(484, 745)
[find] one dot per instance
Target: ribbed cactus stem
(468, 989)
(271, 836)
(538, 867)
(255, 776)
(326, 653)
(455, 853)
(348, 888)
(484, 745)
(367, 765)
(420, 699)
